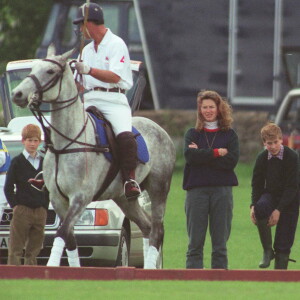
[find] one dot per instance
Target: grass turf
(45, 289)
(244, 253)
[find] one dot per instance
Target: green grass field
(140, 290)
(243, 246)
(244, 253)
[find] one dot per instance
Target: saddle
(103, 132)
(106, 137)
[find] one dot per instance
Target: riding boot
(127, 149)
(281, 261)
(266, 241)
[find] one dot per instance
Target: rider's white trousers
(114, 107)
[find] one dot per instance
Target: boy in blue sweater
(275, 197)
(29, 205)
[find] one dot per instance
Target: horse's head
(42, 82)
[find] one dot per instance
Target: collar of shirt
(27, 155)
(104, 41)
(211, 125)
(106, 37)
(34, 161)
(279, 155)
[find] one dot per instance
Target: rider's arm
(104, 75)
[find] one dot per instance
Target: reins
(38, 113)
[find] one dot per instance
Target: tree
(21, 28)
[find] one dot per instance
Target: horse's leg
(157, 191)
(65, 234)
(152, 229)
(134, 212)
(72, 250)
(60, 206)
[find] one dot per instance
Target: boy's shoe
(268, 255)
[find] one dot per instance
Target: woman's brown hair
(224, 110)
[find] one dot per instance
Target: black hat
(95, 13)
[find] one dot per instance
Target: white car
(104, 235)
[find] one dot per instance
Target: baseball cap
(95, 13)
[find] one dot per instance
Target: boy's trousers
(286, 226)
(26, 231)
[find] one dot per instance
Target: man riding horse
(105, 72)
(73, 151)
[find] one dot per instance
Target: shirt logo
(122, 59)
(106, 58)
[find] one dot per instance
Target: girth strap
(56, 182)
(102, 149)
(114, 166)
(110, 176)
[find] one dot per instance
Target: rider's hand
(82, 68)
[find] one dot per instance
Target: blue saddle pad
(142, 150)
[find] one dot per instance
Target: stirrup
(31, 181)
(135, 185)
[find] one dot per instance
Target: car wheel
(123, 253)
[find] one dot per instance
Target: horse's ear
(51, 50)
(68, 54)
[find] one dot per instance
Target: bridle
(50, 84)
(34, 106)
(37, 100)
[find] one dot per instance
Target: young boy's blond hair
(271, 132)
(31, 131)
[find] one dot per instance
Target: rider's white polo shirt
(112, 54)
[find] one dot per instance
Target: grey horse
(73, 177)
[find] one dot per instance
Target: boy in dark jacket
(29, 205)
(275, 197)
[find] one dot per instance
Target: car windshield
(14, 77)
(291, 117)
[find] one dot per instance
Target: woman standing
(211, 152)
